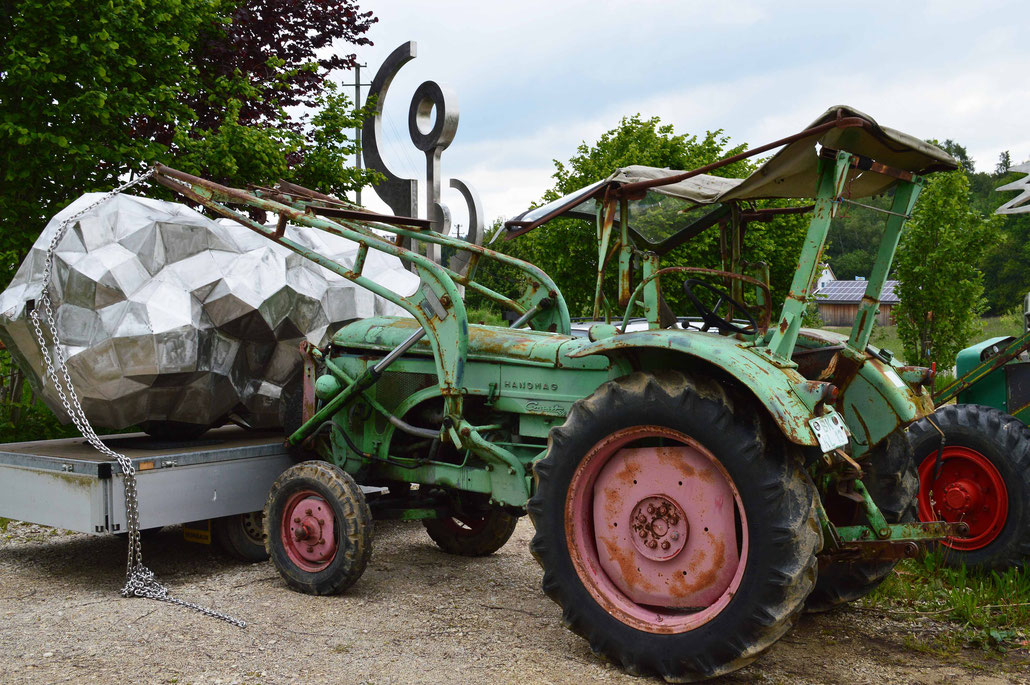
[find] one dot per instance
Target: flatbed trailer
(223, 476)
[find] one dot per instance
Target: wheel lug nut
(643, 533)
(296, 519)
(311, 549)
(308, 512)
(665, 544)
(650, 508)
(652, 544)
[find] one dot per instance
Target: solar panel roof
(851, 292)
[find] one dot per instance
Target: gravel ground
(417, 616)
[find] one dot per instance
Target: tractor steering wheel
(711, 317)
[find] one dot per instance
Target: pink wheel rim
(308, 531)
(968, 489)
(654, 533)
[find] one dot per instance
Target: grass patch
(989, 610)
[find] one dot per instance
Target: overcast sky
(534, 79)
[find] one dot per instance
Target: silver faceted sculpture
(168, 319)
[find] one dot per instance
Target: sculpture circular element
(166, 316)
(429, 97)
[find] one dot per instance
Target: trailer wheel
(241, 536)
(475, 534)
(984, 480)
(318, 528)
(678, 536)
(892, 481)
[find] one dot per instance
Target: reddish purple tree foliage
(296, 32)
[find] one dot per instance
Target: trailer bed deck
(67, 484)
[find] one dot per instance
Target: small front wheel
(475, 534)
(318, 528)
(892, 481)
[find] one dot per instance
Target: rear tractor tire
(318, 528)
(678, 535)
(476, 534)
(984, 480)
(892, 481)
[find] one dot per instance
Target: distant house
(825, 276)
(838, 302)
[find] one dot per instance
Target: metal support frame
(832, 175)
(436, 304)
(905, 197)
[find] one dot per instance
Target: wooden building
(838, 302)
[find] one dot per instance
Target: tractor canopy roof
(882, 157)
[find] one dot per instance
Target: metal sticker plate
(830, 431)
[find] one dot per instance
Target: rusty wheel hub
(962, 496)
(309, 532)
(660, 527)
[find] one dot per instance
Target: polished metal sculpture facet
(1020, 204)
(167, 316)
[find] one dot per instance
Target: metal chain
(139, 580)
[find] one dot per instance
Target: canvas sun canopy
(792, 172)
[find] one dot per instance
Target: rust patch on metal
(667, 455)
(626, 560)
(680, 587)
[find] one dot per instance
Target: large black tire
(241, 536)
(892, 481)
(990, 441)
(300, 494)
(472, 535)
(778, 502)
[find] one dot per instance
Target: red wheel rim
(308, 531)
(657, 535)
(969, 489)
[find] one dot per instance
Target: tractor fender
(785, 393)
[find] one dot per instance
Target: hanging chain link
(139, 580)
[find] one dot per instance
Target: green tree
(91, 92)
(1004, 164)
(941, 287)
(77, 81)
(567, 250)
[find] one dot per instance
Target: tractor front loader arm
(436, 304)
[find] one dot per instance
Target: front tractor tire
(892, 481)
(983, 480)
(318, 528)
(677, 534)
(472, 534)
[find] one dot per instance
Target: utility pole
(357, 129)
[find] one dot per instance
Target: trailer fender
(787, 395)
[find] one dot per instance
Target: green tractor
(973, 456)
(694, 485)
